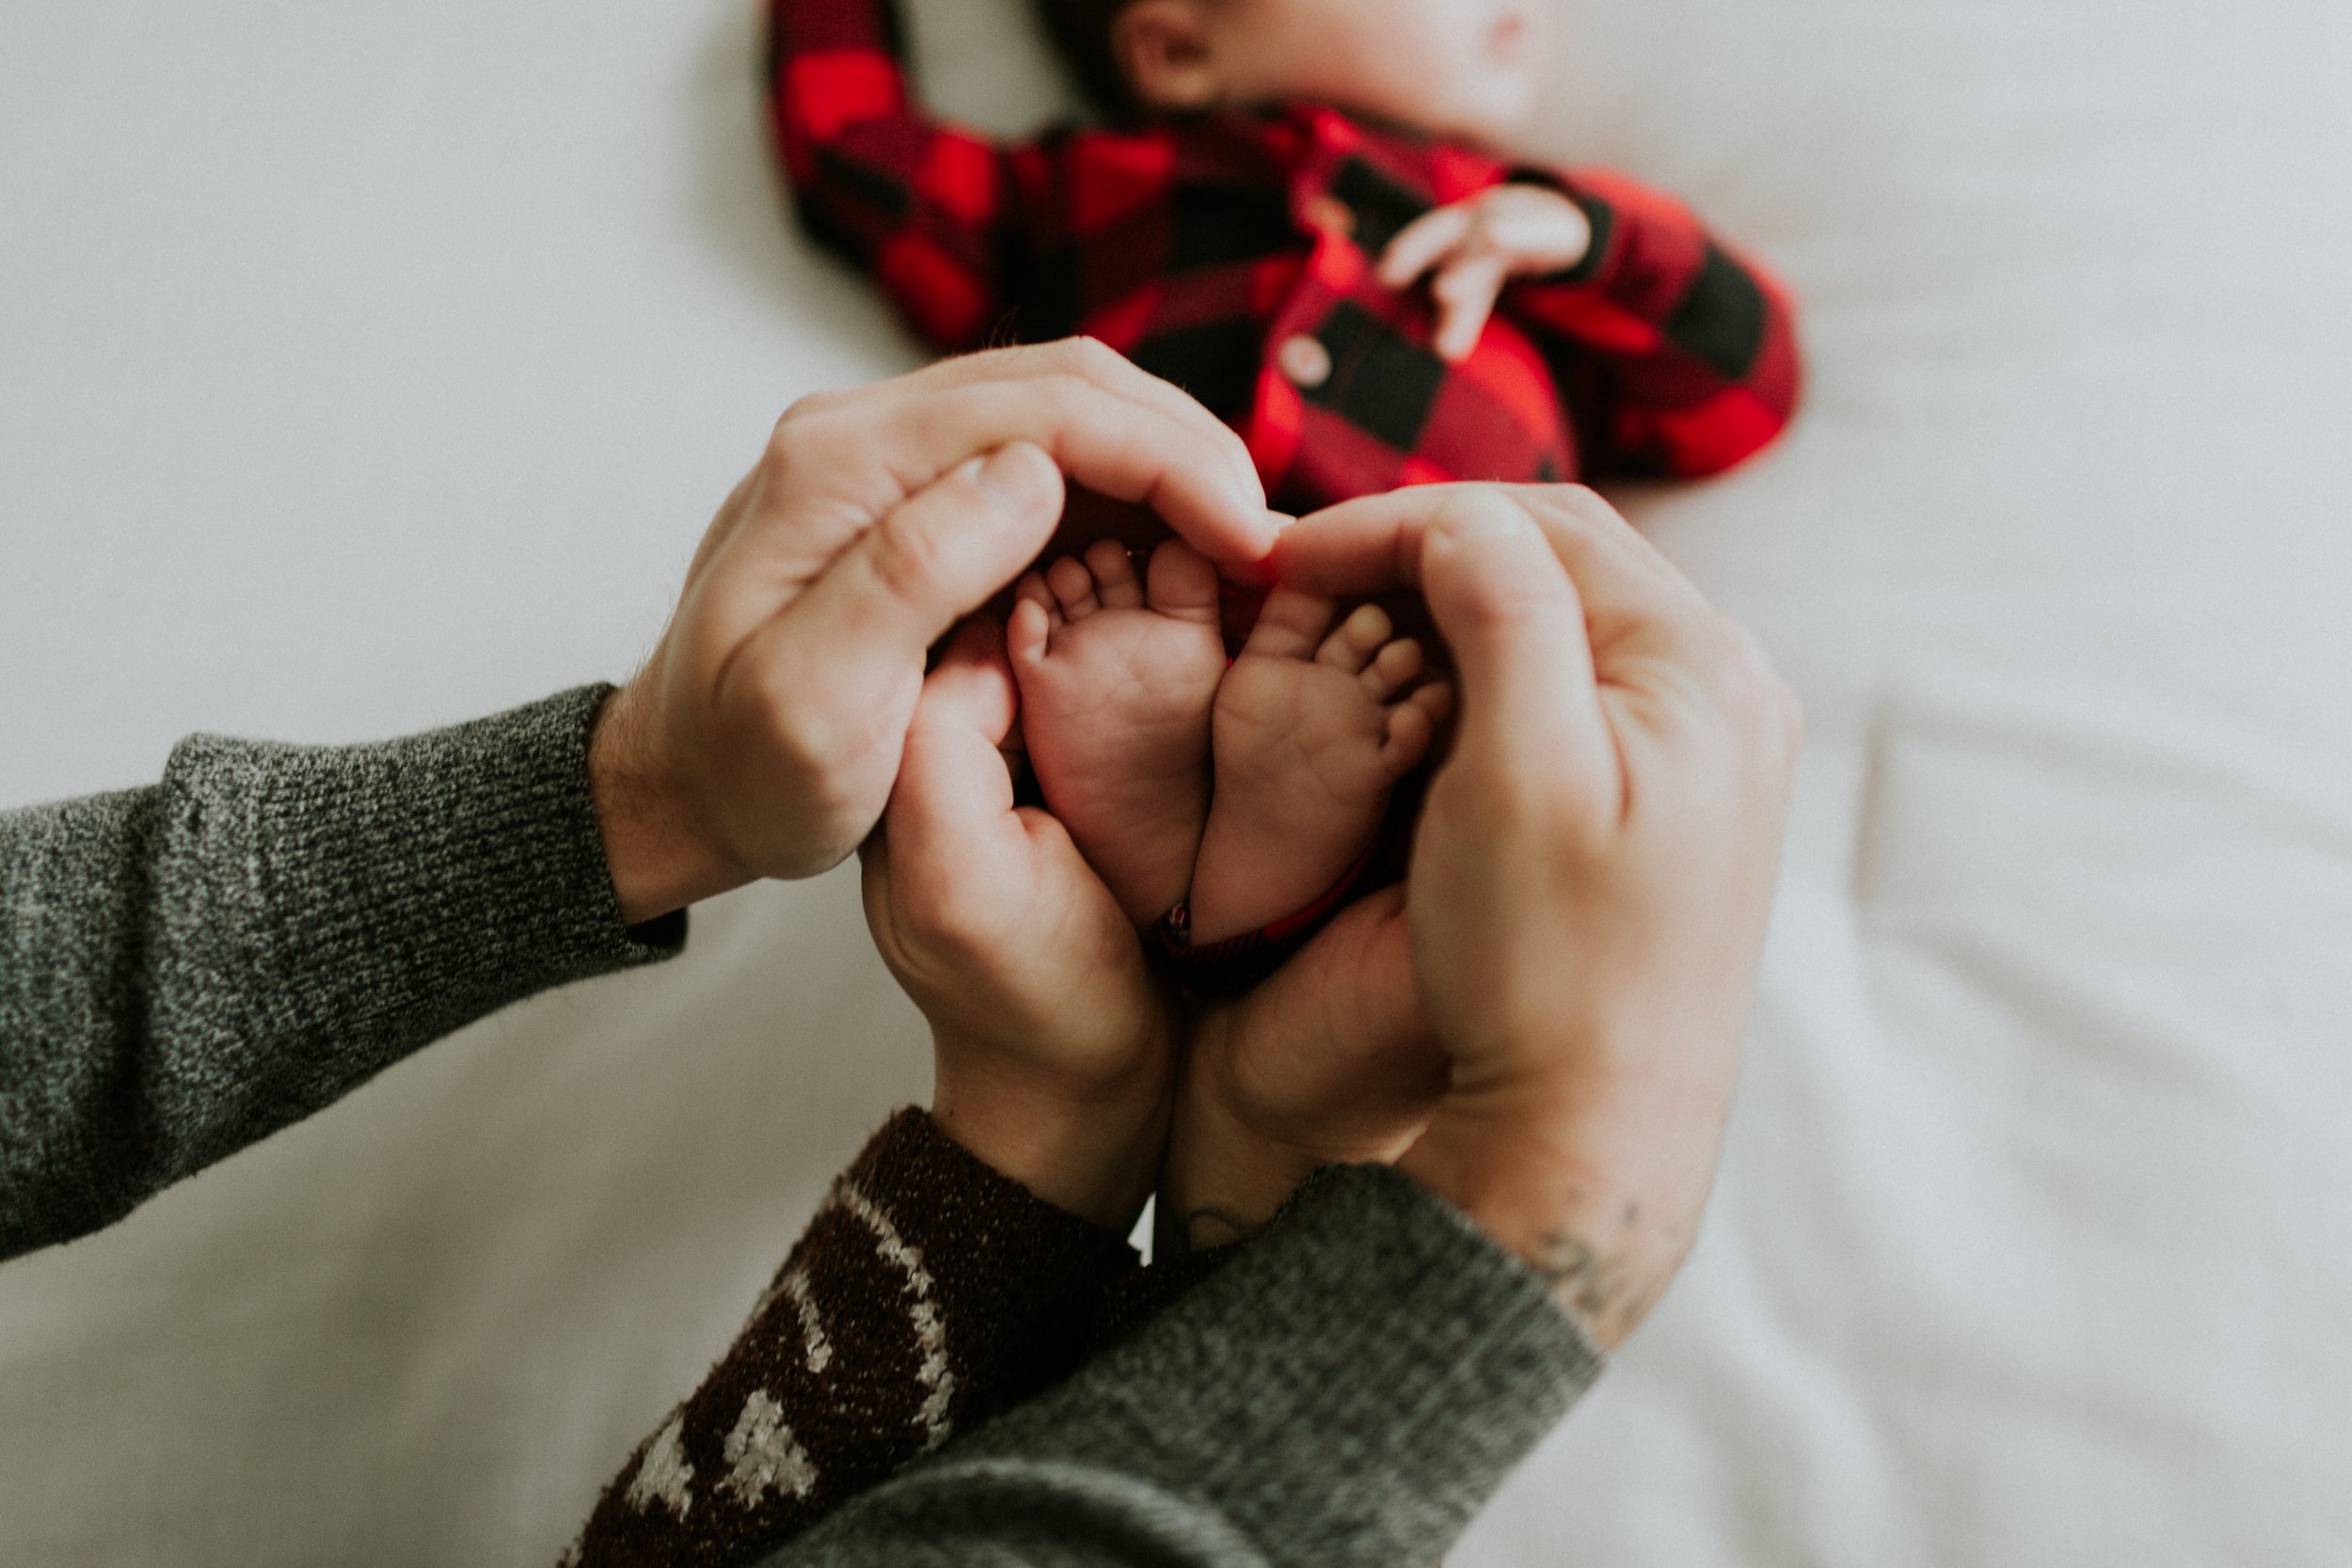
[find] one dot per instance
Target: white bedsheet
(363, 369)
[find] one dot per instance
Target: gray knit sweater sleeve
(1346, 1393)
(187, 968)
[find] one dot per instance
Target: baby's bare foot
(1313, 732)
(1116, 686)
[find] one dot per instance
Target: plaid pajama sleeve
(1677, 356)
(923, 206)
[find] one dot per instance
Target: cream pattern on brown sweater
(927, 1294)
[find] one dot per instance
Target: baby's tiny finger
(1425, 242)
(1466, 294)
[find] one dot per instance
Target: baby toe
(1183, 583)
(1351, 649)
(1413, 726)
(1031, 589)
(1289, 624)
(1073, 587)
(1396, 666)
(1114, 580)
(1029, 629)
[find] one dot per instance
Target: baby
(1299, 215)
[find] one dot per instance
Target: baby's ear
(1165, 53)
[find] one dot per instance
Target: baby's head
(1468, 70)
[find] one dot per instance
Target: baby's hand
(1478, 246)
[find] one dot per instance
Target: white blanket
(367, 368)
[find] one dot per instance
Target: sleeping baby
(1299, 211)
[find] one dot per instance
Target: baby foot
(1117, 680)
(1312, 733)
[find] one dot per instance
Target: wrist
(1605, 1219)
(1222, 1182)
(658, 858)
(1092, 1149)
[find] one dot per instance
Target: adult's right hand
(763, 736)
(1592, 874)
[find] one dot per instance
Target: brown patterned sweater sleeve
(929, 1293)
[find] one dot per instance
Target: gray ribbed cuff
(1350, 1389)
(372, 900)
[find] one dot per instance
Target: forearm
(1349, 1390)
(1679, 353)
(929, 1293)
(186, 969)
(924, 206)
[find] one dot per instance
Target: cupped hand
(762, 737)
(1470, 250)
(1053, 1042)
(1330, 1061)
(1592, 877)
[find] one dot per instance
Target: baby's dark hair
(1081, 29)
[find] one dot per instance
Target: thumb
(1513, 620)
(953, 803)
(939, 556)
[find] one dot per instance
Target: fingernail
(1475, 516)
(1019, 479)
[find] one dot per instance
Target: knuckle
(811, 405)
(808, 428)
(1085, 357)
(909, 560)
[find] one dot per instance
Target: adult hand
(1475, 247)
(762, 737)
(1330, 1061)
(1051, 1041)
(1592, 874)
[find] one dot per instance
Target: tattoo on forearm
(1600, 1290)
(1585, 1283)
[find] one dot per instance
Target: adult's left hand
(1051, 1041)
(762, 737)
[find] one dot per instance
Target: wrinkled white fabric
(361, 371)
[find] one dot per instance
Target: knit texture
(1346, 1393)
(187, 968)
(929, 1293)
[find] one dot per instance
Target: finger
(1513, 618)
(1096, 362)
(1466, 293)
(1108, 426)
(1425, 242)
(953, 803)
(1372, 543)
(1619, 573)
(929, 564)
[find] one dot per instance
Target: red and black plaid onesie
(1233, 254)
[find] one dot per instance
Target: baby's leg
(1313, 732)
(1116, 679)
